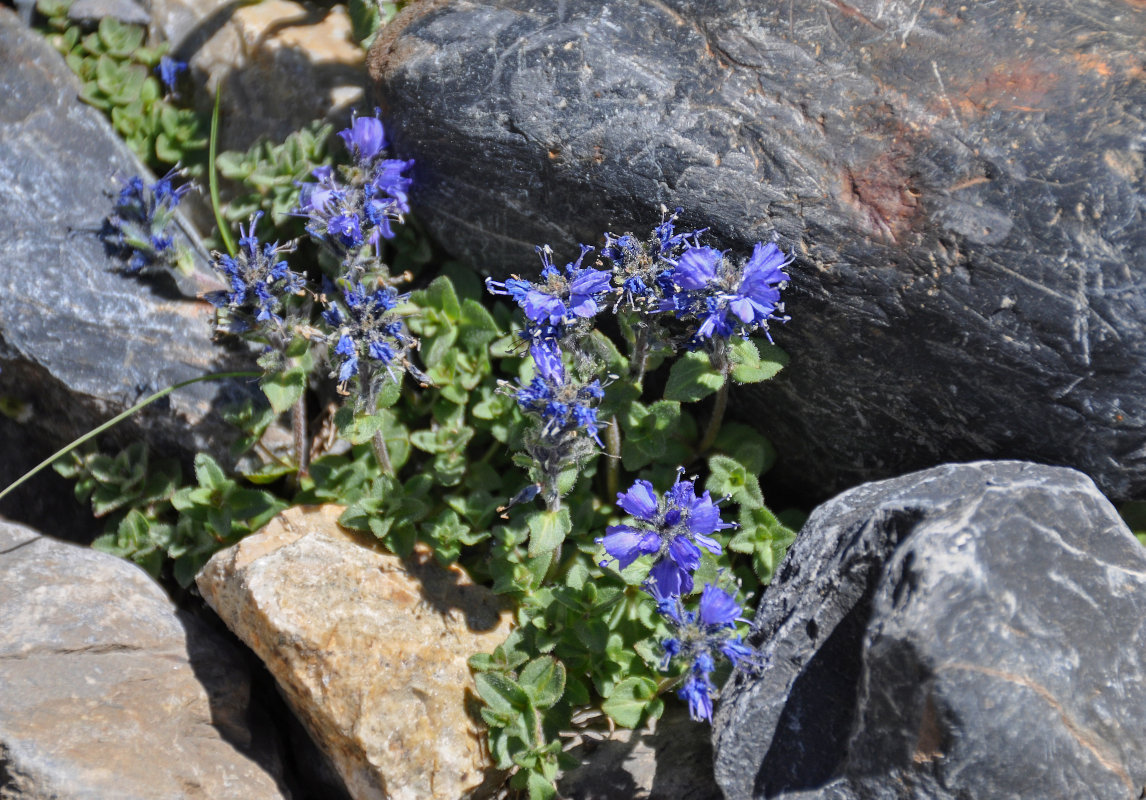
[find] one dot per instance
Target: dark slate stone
(971, 631)
(961, 184)
(79, 342)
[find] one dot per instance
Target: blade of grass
(213, 179)
(120, 418)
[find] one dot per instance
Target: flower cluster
(673, 273)
(726, 299)
(668, 275)
(139, 228)
(358, 206)
(699, 638)
(672, 528)
(564, 406)
(560, 298)
(258, 279)
(367, 328)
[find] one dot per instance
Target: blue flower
(757, 298)
(699, 636)
(169, 70)
(258, 278)
(565, 406)
(697, 267)
(139, 228)
(365, 138)
(697, 691)
(560, 297)
(673, 528)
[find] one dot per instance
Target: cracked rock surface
(107, 691)
(368, 649)
(971, 631)
(961, 185)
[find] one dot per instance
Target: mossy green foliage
(117, 73)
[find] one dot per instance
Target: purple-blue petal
(717, 607)
(697, 267)
(685, 554)
(627, 544)
(640, 500)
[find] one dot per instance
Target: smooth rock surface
(281, 65)
(370, 651)
(80, 342)
(110, 692)
(971, 631)
(962, 185)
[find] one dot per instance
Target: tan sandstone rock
(369, 650)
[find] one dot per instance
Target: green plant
(117, 74)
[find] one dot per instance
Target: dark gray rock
(80, 342)
(109, 691)
(670, 761)
(961, 185)
(972, 631)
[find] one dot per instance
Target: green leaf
(692, 378)
(648, 431)
(208, 473)
(547, 530)
(746, 445)
(750, 365)
(283, 389)
(439, 296)
(729, 477)
(477, 327)
(543, 679)
(501, 693)
(764, 538)
(540, 787)
(630, 700)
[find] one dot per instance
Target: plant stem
(718, 408)
(213, 179)
(120, 418)
(613, 458)
(382, 453)
(298, 428)
(640, 356)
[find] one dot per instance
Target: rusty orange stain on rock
(1014, 85)
(879, 191)
(1089, 62)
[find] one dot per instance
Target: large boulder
(369, 650)
(110, 691)
(961, 185)
(972, 631)
(80, 341)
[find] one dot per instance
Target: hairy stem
(613, 457)
(382, 453)
(640, 358)
(298, 428)
(718, 408)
